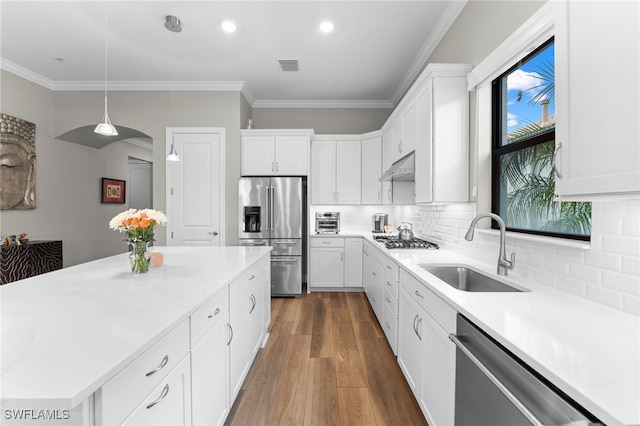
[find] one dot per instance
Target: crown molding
(142, 143)
(206, 86)
(27, 74)
(321, 104)
(444, 23)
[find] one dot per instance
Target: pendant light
(173, 24)
(105, 127)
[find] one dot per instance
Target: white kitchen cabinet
(210, 383)
(275, 152)
(371, 170)
(327, 267)
(442, 135)
(353, 262)
(335, 262)
(335, 171)
(410, 340)
(597, 85)
(425, 354)
(438, 375)
(169, 403)
(245, 323)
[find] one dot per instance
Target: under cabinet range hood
(403, 170)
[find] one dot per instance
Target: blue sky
(524, 112)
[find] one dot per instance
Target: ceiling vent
(288, 64)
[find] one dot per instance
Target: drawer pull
(216, 312)
(160, 367)
(326, 242)
(389, 267)
(251, 277)
(389, 283)
(164, 393)
(386, 324)
(417, 293)
(387, 299)
(374, 274)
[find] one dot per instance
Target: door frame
(221, 167)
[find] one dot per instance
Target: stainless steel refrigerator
(272, 212)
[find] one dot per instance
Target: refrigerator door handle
(268, 208)
(273, 196)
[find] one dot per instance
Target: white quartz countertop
(65, 333)
(588, 350)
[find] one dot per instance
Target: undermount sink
(467, 279)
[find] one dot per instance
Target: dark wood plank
(322, 407)
(355, 407)
(290, 396)
(322, 335)
(391, 397)
(349, 371)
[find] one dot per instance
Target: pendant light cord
(106, 50)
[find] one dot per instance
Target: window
(523, 137)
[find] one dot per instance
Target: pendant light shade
(105, 127)
(173, 155)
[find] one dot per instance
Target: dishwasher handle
(497, 383)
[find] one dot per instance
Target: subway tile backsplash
(608, 272)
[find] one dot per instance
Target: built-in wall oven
(494, 387)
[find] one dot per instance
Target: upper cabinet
(371, 169)
(275, 152)
(335, 171)
(442, 135)
(597, 86)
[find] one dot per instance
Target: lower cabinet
(169, 403)
(335, 262)
(210, 389)
(425, 354)
(192, 375)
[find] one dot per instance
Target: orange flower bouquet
(139, 226)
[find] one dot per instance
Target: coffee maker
(379, 222)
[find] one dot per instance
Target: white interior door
(195, 187)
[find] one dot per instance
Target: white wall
(68, 175)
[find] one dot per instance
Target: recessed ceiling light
(228, 26)
(326, 27)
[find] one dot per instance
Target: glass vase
(139, 257)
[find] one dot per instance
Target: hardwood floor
(327, 362)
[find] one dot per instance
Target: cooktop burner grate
(393, 242)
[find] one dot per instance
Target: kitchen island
(66, 334)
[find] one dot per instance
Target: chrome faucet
(504, 264)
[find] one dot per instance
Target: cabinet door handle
(341, 257)
(230, 333)
(389, 267)
(387, 299)
(415, 330)
(374, 274)
(273, 166)
(214, 233)
(389, 194)
(216, 312)
(417, 293)
(418, 328)
(389, 283)
(164, 393)
(400, 147)
(555, 162)
(276, 167)
(252, 277)
(253, 301)
(159, 367)
(386, 324)
(380, 195)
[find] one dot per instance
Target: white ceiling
(370, 59)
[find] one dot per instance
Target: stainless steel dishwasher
(494, 387)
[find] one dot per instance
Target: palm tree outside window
(523, 178)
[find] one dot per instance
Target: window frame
(498, 149)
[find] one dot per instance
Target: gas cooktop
(393, 242)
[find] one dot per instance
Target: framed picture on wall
(113, 191)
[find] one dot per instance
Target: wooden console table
(34, 258)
